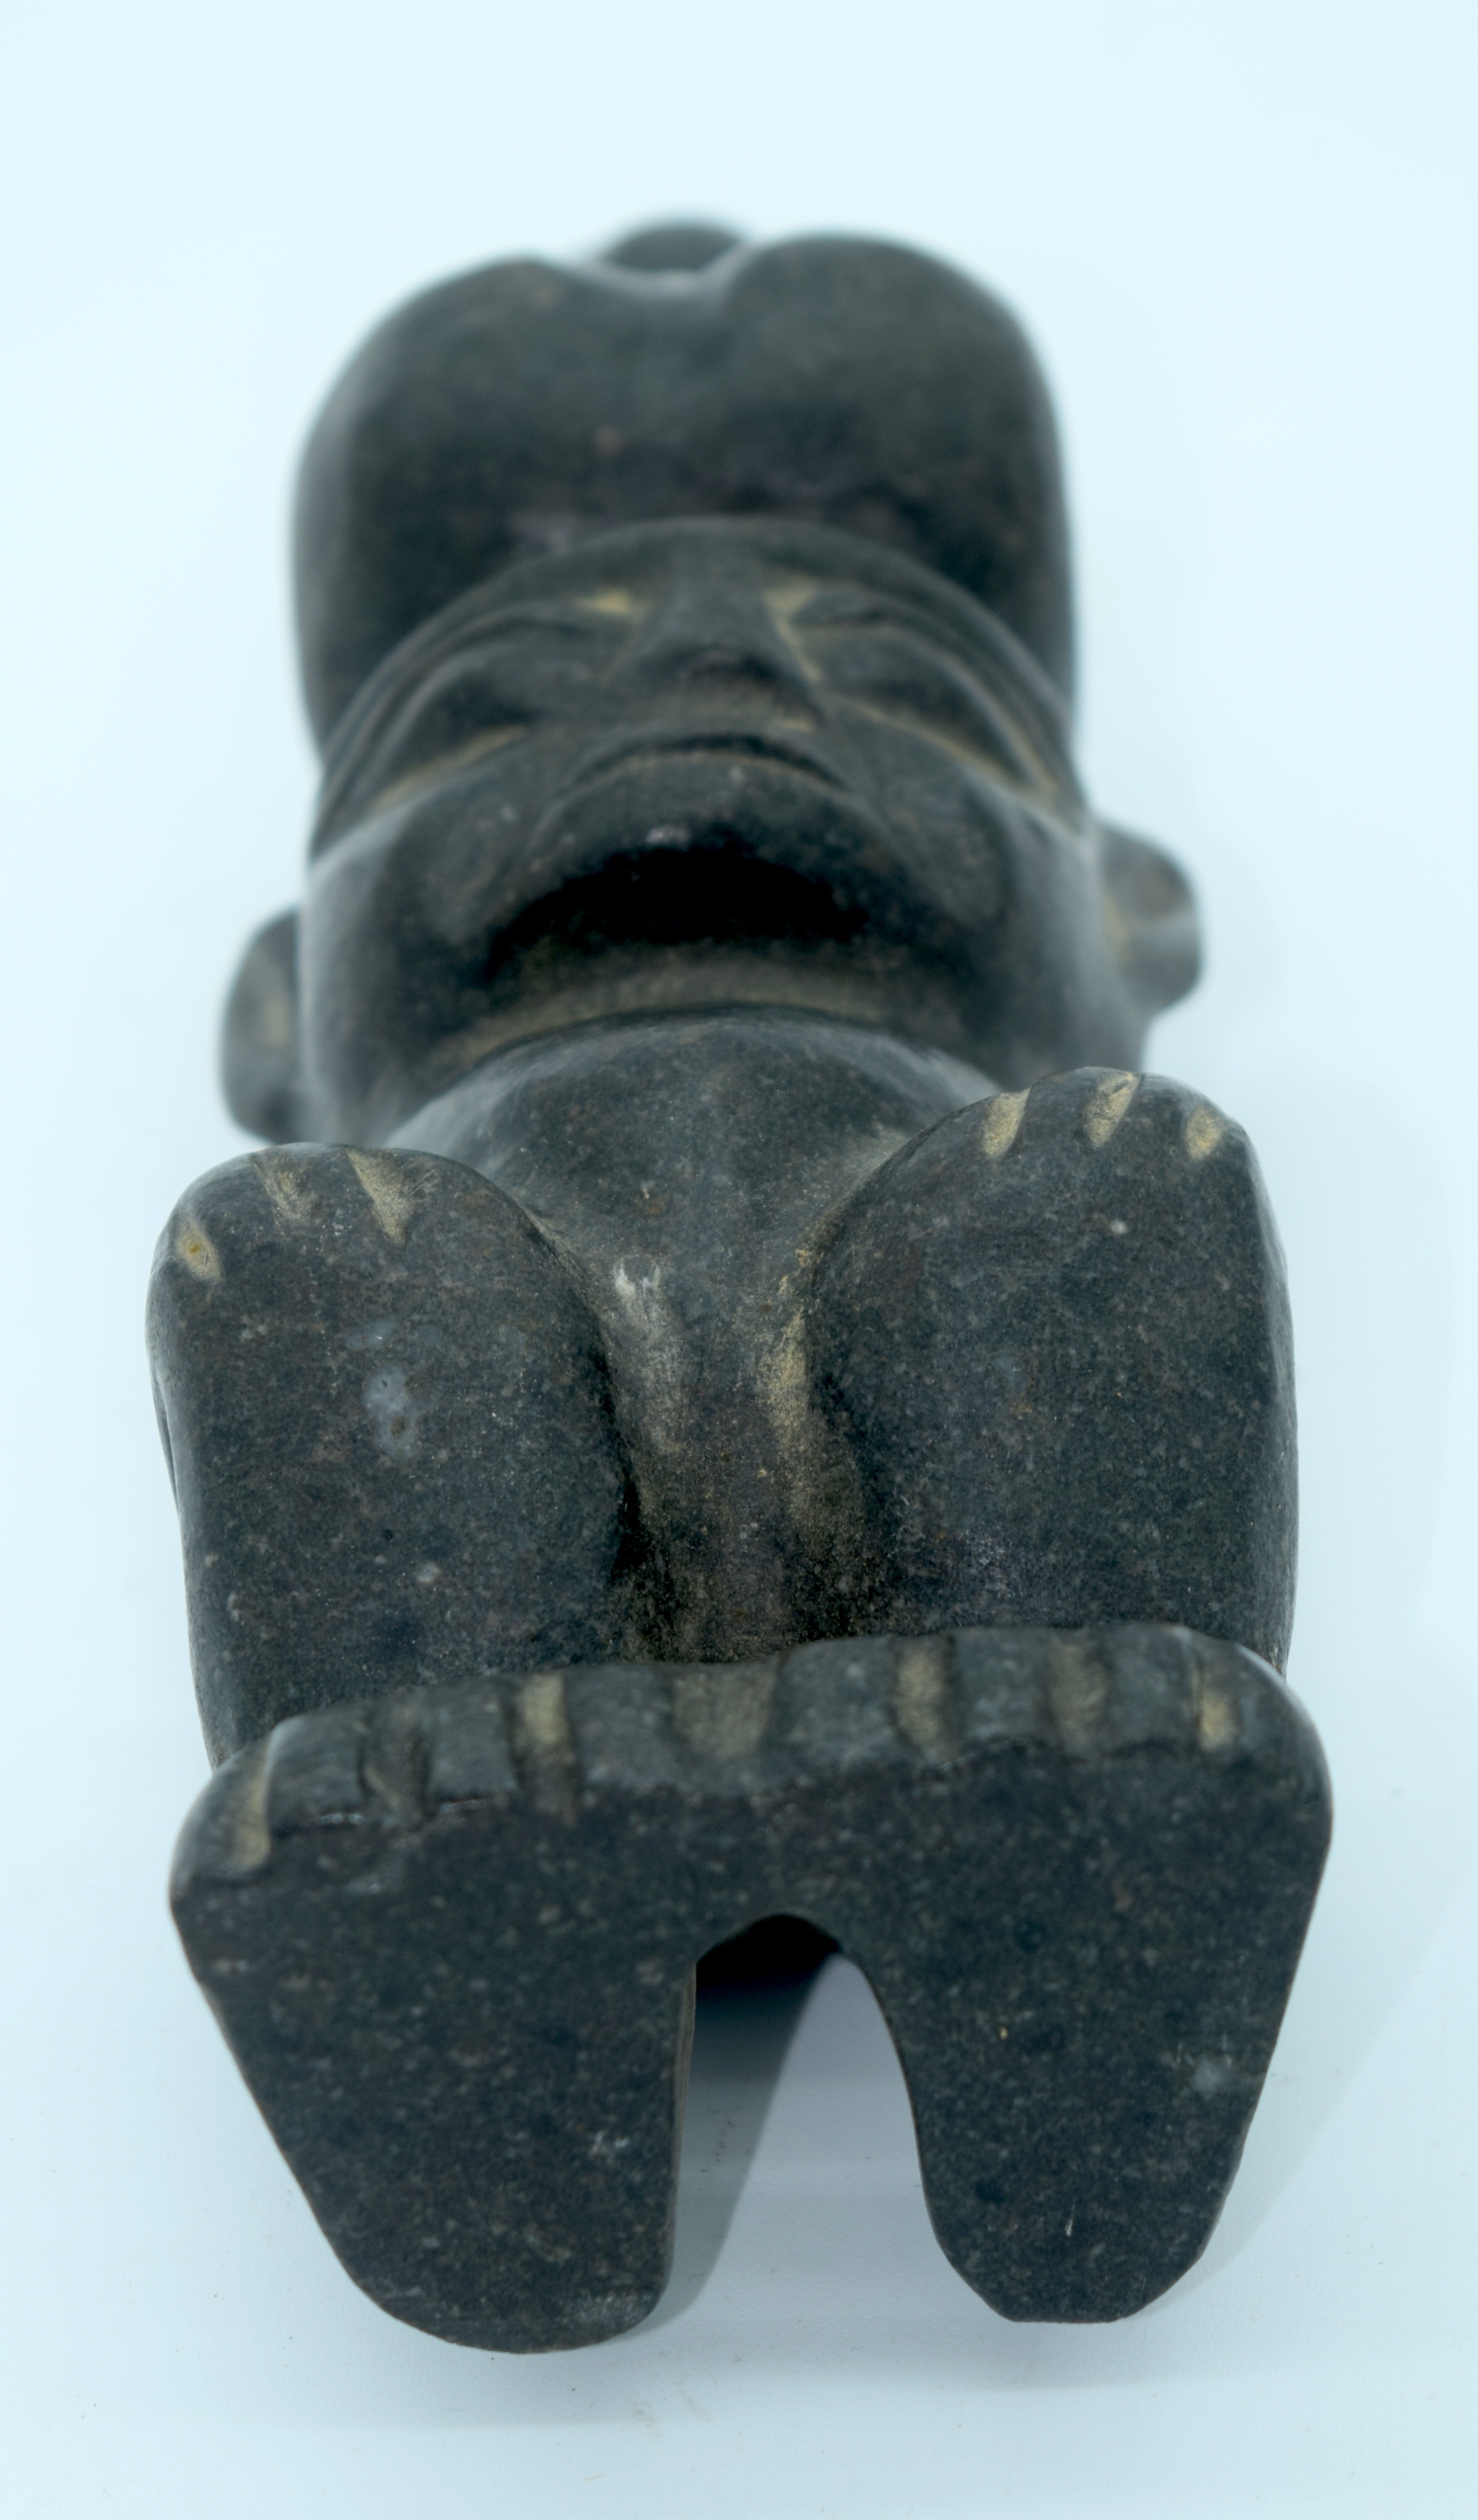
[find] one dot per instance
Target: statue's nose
(716, 640)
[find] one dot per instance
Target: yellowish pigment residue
(277, 1021)
(287, 1185)
(1106, 1106)
(787, 1386)
(617, 602)
(1204, 1131)
(447, 765)
(723, 1713)
(922, 1694)
(787, 595)
(545, 1745)
(197, 1250)
(785, 1380)
(250, 1836)
(1002, 1119)
(383, 1179)
(1216, 1720)
(542, 1718)
(1077, 1688)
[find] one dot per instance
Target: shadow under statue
(729, 1396)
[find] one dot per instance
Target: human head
(832, 381)
(709, 762)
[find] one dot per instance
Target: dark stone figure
(729, 1396)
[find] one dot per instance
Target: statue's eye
(444, 763)
(615, 603)
(886, 663)
(834, 608)
(474, 708)
(526, 667)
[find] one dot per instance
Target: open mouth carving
(719, 891)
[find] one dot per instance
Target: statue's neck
(661, 1139)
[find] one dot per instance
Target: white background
(1242, 235)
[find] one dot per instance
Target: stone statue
(729, 1395)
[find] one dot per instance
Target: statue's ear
(1153, 915)
(259, 1069)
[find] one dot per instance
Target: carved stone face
(714, 763)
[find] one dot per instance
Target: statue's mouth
(682, 867)
(735, 743)
(681, 837)
(719, 891)
(717, 916)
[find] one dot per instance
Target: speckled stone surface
(797, 1347)
(451, 1933)
(729, 1392)
(837, 381)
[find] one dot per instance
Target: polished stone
(451, 1933)
(729, 1393)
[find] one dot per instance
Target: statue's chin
(548, 988)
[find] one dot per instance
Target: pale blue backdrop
(1243, 236)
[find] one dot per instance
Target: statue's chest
(688, 1164)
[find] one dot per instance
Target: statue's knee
(385, 1408)
(1054, 1332)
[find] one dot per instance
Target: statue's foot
(389, 1423)
(451, 1938)
(1052, 1336)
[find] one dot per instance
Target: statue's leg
(456, 2006)
(388, 1424)
(1076, 1867)
(1053, 1333)
(1082, 1928)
